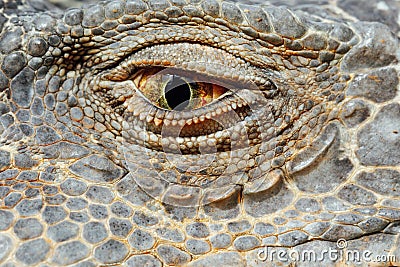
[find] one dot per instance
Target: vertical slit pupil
(177, 93)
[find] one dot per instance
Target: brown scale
(206, 127)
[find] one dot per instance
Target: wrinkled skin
(296, 148)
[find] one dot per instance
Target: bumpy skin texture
(304, 152)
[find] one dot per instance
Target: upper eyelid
(210, 62)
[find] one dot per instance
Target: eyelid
(190, 57)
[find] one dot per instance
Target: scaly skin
(302, 149)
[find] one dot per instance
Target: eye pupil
(177, 93)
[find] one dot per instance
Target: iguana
(199, 133)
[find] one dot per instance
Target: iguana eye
(173, 90)
(187, 98)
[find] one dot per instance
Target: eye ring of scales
(291, 144)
